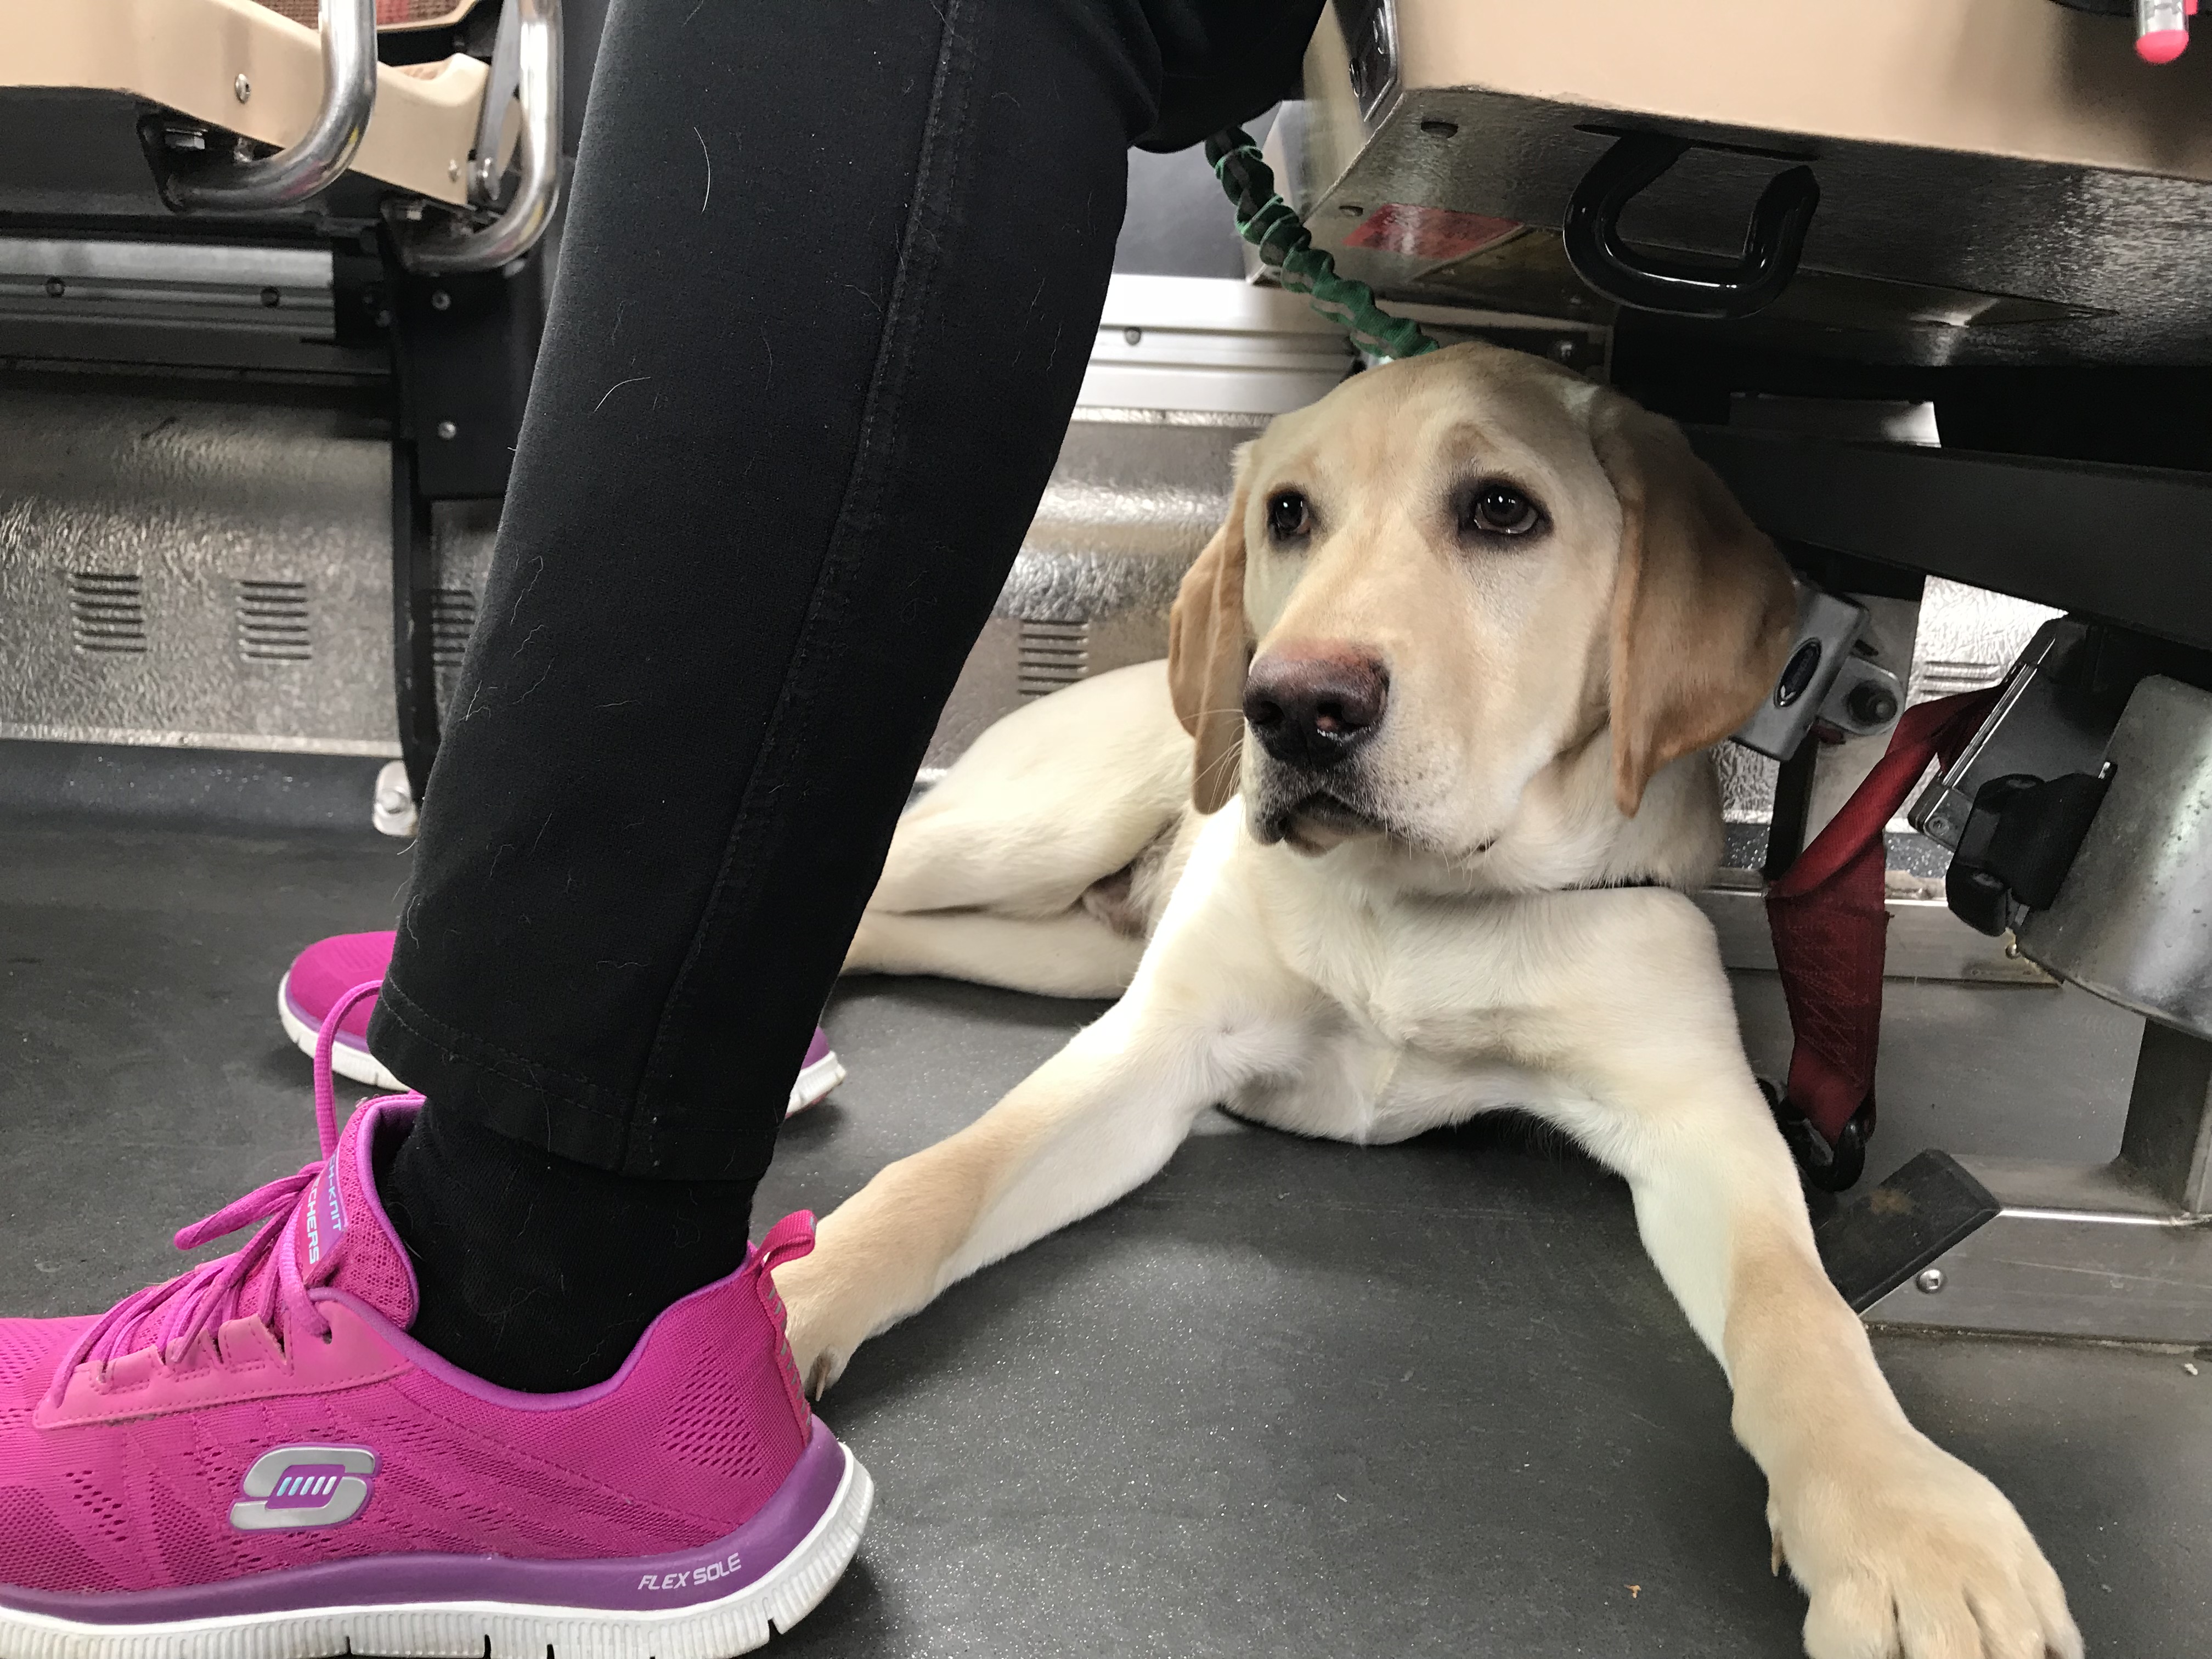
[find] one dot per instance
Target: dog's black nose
(1312, 705)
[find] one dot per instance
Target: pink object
(321, 974)
(256, 1457)
(2161, 45)
(330, 966)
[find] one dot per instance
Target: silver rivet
(243, 87)
(1564, 351)
(1930, 1280)
(447, 428)
(440, 300)
(1132, 335)
(453, 170)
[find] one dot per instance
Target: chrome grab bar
(447, 243)
(314, 162)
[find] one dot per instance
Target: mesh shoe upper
(330, 966)
(680, 1449)
(129, 1445)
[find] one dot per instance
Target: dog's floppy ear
(1208, 652)
(1702, 607)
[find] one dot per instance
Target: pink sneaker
(327, 968)
(255, 1460)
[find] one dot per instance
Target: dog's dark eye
(1289, 518)
(1493, 508)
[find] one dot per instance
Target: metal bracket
(2053, 717)
(2118, 1252)
(209, 183)
(2121, 1251)
(2132, 919)
(484, 170)
(463, 350)
(1820, 677)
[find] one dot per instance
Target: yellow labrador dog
(1460, 648)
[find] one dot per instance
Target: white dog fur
(1435, 929)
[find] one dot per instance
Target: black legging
(831, 274)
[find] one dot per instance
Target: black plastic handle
(1683, 286)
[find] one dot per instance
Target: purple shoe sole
(814, 1518)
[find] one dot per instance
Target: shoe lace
(170, 1318)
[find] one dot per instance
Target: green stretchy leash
(1268, 223)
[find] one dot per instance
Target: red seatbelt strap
(1828, 918)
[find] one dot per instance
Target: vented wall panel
(186, 569)
(1133, 497)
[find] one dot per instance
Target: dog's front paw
(1906, 1551)
(821, 1334)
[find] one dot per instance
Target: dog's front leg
(1210, 1007)
(1096, 1120)
(1903, 1549)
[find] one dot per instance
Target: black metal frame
(462, 351)
(2025, 525)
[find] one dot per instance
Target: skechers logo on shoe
(696, 1576)
(325, 1213)
(304, 1486)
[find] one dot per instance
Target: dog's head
(1448, 575)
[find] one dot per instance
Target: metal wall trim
(256, 742)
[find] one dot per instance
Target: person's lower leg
(830, 276)
(540, 1272)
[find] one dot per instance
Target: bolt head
(241, 88)
(56, 288)
(271, 298)
(1930, 1280)
(446, 429)
(1132, 335)
(1872, 705)
(440, 301)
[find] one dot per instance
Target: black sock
(538, 1273)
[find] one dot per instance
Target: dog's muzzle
(1312, 710)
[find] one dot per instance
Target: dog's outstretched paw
(1906, 1551)
(820, 1349)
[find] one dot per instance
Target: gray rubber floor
(1291, 1398)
